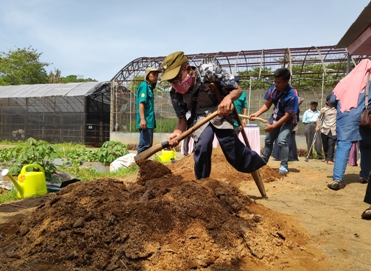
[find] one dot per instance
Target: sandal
(367, 213)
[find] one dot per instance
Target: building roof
(358, 36)
(48, 90)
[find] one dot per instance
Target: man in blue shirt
(310, 118)
(284, 117)
(145, 107)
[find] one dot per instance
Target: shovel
(158, 147)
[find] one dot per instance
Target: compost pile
(162, 221)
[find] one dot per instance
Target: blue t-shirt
(284, 102)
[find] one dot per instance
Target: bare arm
(244, 112)
(143, 123)
(280, 122)
(225, 105)
(317, 125)
(262, 109)
(181, 126)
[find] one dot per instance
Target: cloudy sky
(96, 39)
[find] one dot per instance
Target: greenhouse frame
(320, 64)
(73, 112)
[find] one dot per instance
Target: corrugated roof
(357, 28)
(47, 90)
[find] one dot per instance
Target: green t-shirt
(145, 95)
(239, 104)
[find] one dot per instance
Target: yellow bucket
(167, 156)
(32, 183)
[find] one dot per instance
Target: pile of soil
(165, 220)
(221, 170)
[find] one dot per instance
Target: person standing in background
(310, 117)
(145, 108)
(241, 106)
(326, 124)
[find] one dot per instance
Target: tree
(76, 78)
(22, 66)
(55, 77)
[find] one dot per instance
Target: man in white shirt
(310, 117)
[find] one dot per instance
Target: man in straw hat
(145, 110)
(192, 89)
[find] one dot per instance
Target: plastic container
(167, 156)
(32, 183)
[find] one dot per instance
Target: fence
(125, 118)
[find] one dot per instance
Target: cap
(237, 79)
(151, 69)
(313, 102)
(171, 65)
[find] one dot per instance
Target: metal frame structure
(256, 62)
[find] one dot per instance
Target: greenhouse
(73, 112)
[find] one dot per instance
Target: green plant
(32, 152)
(110, 151)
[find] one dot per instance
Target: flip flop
(367, 215)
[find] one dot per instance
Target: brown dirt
(165, 220)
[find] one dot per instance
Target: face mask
(183, 86)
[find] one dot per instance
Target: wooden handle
(196, 126)
(255, 118)
(155, 148)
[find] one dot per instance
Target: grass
(86, 174)
(8, 196)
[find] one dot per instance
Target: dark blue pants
(145, 139)
(237, 154)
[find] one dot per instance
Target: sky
(96, 39)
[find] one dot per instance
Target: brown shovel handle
(255, 118)
(196, 126)
(152, 150)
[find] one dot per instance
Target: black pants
(237, 154)
(310, 130)
(329, 142)
(365, 146)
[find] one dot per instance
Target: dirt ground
(163, 219)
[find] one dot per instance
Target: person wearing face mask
(283, 119)
(145, 110)
(192, 90)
